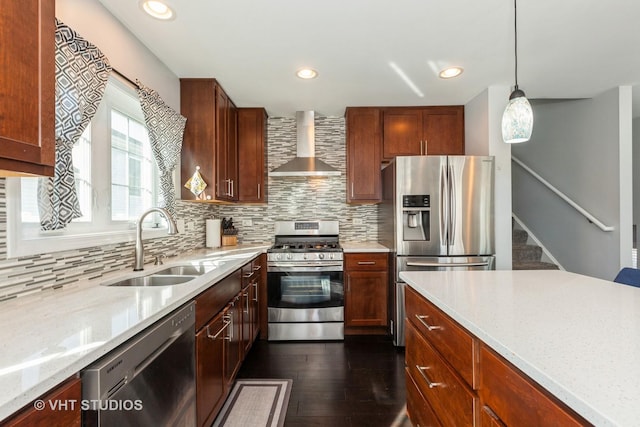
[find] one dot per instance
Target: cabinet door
(197, 104)
(402, 132)
(246, 320)
(443, 130)
(366, 298)
(69, 416)
(232, 150)
(210, 381)
(364, 146)
(233, 354)
(252, 137)
(223, 184)
(27, 104)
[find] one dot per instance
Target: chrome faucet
(139, 253)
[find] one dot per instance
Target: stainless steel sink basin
(153, 280)
(186, 270)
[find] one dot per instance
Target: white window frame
(82, 235)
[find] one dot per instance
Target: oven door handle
(284, 267)
(448, 264)
(307, 264)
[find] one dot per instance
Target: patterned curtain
(166, 128)
(81, 76)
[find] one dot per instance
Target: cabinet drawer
(456, 345)
(213, 300)
(516, 399)
(366, 261)
(450, 398)
(419, 411)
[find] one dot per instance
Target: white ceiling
(567, 48)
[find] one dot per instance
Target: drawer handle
(213, 337)
(366, 263)
(428, 326)
(422, 371)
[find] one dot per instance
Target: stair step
(519, 236)
(524, 253)
(540, 265)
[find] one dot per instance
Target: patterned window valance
(82, 72)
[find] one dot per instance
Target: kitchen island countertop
(48, 336)
(577, 336)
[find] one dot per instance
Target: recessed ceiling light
(451, 72)
(157, 9)
(307, 73)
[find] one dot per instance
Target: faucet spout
(139, 251)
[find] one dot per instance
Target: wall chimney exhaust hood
(305, 163)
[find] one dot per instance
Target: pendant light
(517, 120)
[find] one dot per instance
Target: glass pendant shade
(517, 120)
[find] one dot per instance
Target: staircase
(527, 256)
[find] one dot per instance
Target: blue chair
(628, 276)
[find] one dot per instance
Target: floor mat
(255, 403)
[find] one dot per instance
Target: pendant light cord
(515, 26)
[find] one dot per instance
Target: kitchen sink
(153, 280)
(186, 270)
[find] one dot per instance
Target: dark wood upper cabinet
(423, 130)
(364, 145)
(210, 138)
(252, 155)
(27, 87)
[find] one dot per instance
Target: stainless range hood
(305, 163)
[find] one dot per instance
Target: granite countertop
(577, 336)
(363, 247)
(51, 335)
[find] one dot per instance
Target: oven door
(304, 288)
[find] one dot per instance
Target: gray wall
(483, 136)
(582, 147)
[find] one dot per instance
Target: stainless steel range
(305, 284)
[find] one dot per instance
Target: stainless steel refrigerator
(437, 214)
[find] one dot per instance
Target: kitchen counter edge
(35, 314)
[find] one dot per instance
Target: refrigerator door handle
(448, 264)
(444, 202)
(452, 206)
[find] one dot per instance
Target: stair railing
(563, 196)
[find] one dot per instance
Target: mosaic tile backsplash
(289, 198)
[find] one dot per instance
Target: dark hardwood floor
(356, 383)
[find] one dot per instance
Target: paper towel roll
(213, 233)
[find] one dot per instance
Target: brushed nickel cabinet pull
(226, 324)
(422, 370)
(366, 263)
(428, 326)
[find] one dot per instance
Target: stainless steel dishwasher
(148, 381)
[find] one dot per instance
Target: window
(112, 194)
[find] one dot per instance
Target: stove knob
(279, 256)
(304, 256)
(288, 256)
(331, 255)
(321, 256)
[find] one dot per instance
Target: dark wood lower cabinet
(222, 341)
(211, 387)
(69, 393)
(233, 354)
(366, 293)
(419, 411)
